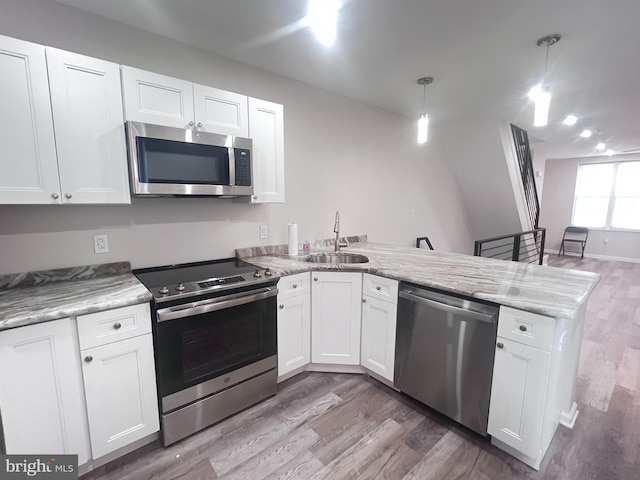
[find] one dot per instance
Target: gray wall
(557, 208)
(339, 154)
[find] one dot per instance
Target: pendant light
(423, 121)
(540, 93)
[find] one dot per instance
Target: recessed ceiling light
(586, 133)
(609, 152)
(322, 17)
(601, 146)
(570, 120)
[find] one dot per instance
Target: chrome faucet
(336, 230)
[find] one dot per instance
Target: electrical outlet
(100, 243)
(264, 231)
(412, 213)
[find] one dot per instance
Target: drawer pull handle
(523, 328)
(500, 345)
(117, 325)
(378, 287)
(295, 285)
(88, 358)
(281, 306)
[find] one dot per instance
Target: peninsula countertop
(550, 291)
(36, 297)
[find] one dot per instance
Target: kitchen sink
(337, 258)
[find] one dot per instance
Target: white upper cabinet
(28, 160)
(266, 128)
(89, 128)
(153, 98)
(219, 111)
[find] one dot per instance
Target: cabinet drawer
(294, 284)
(380, 287)
(526, 327)
(113, 325)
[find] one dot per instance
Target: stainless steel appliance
(215, 341)
(444, 353)
(166, 161)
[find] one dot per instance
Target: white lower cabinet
(335, 317)
(516, 413)
(525, 408)
(41, 393)
(294, 323)
(378, 336)
(119, 377)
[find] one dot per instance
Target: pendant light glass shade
(423, 128)
(541, 113)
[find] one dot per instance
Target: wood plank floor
(341, 426)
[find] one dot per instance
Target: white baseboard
(599, 257)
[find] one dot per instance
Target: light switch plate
(264, 231)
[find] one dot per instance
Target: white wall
(483, 161)
(339, 154)
(557, 208)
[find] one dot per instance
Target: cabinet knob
(523, 328)
(199, 124)
(67, 195)
(117, 325)
(54, 196)
(500, 345)
(315, 279)
(295, 285)
(255, 197)
(378, 287)
(281, 306)
(191, 123)
(364, 300)
(88, 358)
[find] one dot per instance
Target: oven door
(201, 346)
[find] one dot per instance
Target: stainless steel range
(215, 341)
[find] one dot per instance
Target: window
(608, 196)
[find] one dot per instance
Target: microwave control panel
(243, 167)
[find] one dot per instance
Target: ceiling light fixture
(570, 120)
(586, 133)
(609, 152)
(322, 17)
(540, 93)
(600, 146)
(423, 121)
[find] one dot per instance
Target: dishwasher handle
(468, 314)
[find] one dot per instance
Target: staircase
(521, 142)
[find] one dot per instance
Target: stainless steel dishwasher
(444, 353)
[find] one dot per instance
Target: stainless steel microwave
(167, 161)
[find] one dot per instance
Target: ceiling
(482, 55)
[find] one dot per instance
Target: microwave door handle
(213, 305)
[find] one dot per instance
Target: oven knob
(267, 273)
(163, 290)
(257, 274)
(180, 287)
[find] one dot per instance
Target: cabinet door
(219, 111)
(378, 336)
(294, 332)
(266, 129)
(28, 160)
(158, 99)
(41, 393)
(120, 385)
(89, 127)
(335, 317)
(517, 395)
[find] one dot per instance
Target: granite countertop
(551, 291)
(36, 297)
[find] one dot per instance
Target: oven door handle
(214, 304)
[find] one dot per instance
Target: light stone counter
(35, 297)
(545, 290)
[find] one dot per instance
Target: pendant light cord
(424, 96)
(546, 63)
